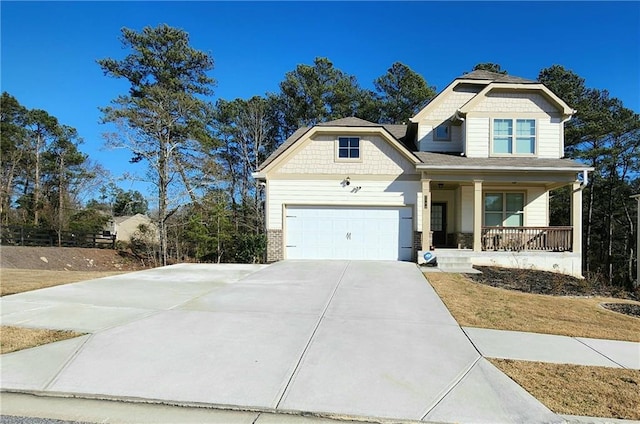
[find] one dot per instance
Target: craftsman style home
(469, 178)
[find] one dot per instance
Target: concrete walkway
(556, 349)
(341, 339)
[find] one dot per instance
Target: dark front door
(439, 224)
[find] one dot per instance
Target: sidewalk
(555, 349)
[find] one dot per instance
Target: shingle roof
(350, 121)
(284, 146)
(496, 77)
(397, 131)
(456, 161)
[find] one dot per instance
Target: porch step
(454, 261)
(450, 262)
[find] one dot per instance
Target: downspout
(458, 115)
(565, 120)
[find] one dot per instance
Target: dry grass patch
(476, 305)
(21, 280)
(18, 338)
(578, 390)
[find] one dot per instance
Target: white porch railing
(547, 239)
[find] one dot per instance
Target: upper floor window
(348, 148)
(504, 209)
(506, 142)
(442, 132)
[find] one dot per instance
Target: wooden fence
(32, 236)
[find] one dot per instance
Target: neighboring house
(126, 226)
(470, 176)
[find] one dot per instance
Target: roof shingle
(496, 77)
(453, 161)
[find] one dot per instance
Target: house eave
(426, 167)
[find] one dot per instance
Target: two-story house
(468, 176)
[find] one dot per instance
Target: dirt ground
(66, 259)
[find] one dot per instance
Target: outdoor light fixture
(345, 182)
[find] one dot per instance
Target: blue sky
(49, 49)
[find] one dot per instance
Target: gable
(491, 92)
(315, 150)
(317, 155)
(502, 97)
(514, 102)
(449, 103)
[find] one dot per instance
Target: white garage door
(316, 232)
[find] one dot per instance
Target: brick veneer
(274, 246)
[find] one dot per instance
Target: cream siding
(319, 156)
(549, 133)
(477, 130)
(466, 209)
(536, 213)
(536, 210)
(427, 143)
(452, 102)
(442, 112)
(331, 192)
(514, 102)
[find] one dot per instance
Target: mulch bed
(551, 283)
(624, 308)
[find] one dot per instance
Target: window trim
(435, 132)
(504, 211)
(348, 159)
(513, 137)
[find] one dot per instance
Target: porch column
(477, 215)
(576, 217)
(426, 214)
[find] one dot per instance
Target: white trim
(501, 168)
(336, 153)
(514, 123)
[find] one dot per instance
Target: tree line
(200, 155)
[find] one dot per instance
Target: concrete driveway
(342, 338)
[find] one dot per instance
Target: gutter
(500, 168)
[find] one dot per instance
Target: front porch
(501, 219)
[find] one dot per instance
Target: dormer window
(442, 132)
(508, 142)
(348, 148)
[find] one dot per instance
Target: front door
(439, 224)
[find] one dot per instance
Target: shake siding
(523, 102)
(444, 110)
(330, 192)
(318, 156)
(448, 106)
(549, 133)
(477, 130)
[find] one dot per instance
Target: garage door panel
(314, 232)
